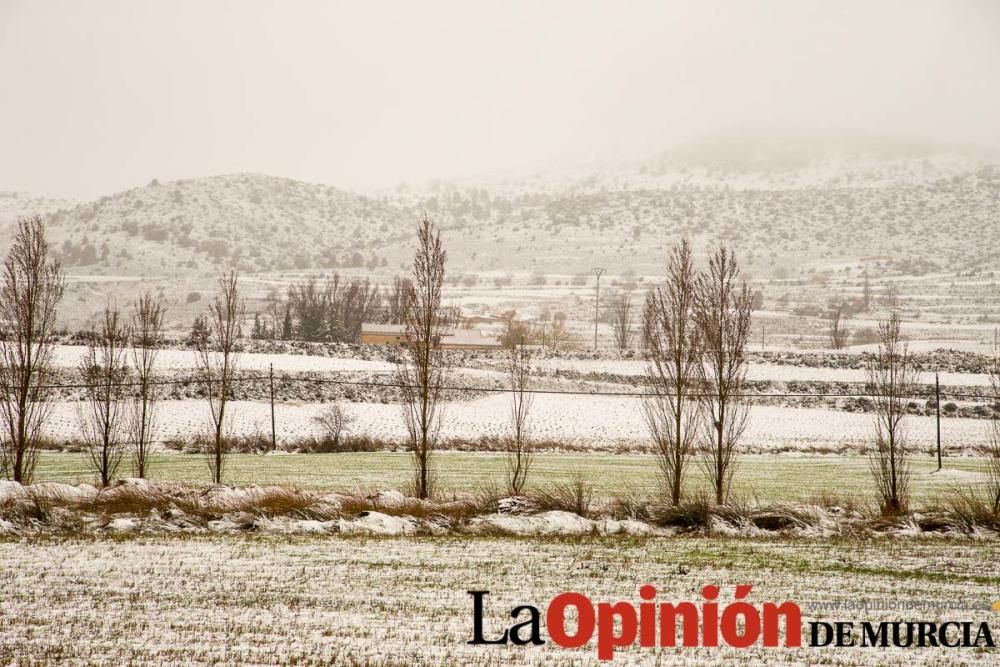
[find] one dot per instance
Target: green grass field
(766, 478)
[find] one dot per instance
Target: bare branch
(673, 369)
(218, 355)
(147, 335)
(722, 312)
(421, 371)
(891, 376)
(32, 288)
(104, 370)
(621, 321)
(519, 452)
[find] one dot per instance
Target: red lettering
(555, 619)
(607, 640)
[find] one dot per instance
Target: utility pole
(274, 438)
(598, 271)
(937, 401)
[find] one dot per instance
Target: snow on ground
(254, 600)
(69, 356)
(757, 372)
(585, 421)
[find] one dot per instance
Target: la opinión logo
(619, 624)
(705, 623)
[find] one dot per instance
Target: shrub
(348, 443)
(968, 511)
(574, 496)
(333, 420)
(689, 515)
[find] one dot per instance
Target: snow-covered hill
(254, 222)
(782, 210)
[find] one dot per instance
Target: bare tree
(104, 370)
(421, 372)
(621, 321)
(722, 313)
(333, 420)
(519, 453)
(993, 447)
(147, 335)
(276, 308)
(397, 300)
(516, 333)
(673, 370)
(838, 332)
(32, 288)
(218, 357)
(891, 376)
(559, 336)
(310, 304)
(358, 302)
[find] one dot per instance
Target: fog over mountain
(101, 97)
(544, 140)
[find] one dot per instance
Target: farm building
(455, 339)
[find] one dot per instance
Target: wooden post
(937, 402)
(274, 438)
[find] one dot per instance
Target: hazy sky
(98, 96)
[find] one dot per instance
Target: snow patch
(376, 523)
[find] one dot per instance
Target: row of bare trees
(118, 370)
(551, 332)
(122, 389)
(695, 328)
(33, 286)
(121, 392)
(422, 371)
(333, 311)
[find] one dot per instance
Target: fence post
(937, 403)
(274, 440)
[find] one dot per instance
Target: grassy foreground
(402, 601)
(764, 478)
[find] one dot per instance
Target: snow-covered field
(761, 372)
(600, 422)
(69, 356)
(403, 601)
(580, 421)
